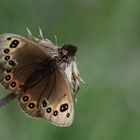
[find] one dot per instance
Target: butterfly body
(44, 76)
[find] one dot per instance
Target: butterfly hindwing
(56, 102)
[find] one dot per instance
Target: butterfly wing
(19, 58)
(53, 101)
(43, 91)
(59, 109)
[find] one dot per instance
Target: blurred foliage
(107, 35)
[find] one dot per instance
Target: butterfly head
(67, 51)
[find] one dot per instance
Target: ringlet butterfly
(44, 77)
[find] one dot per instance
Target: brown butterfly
(43, 77)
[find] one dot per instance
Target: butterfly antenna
(7, 99)
(40, 32)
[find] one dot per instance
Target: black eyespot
(68, 115)
(20, 86)
(48, 110)
(9, 38)
(63, 107)
(31, 105)
(8, 70)
(12, 63)
(55, 113)
(13, 84)
(14, 44)
(44, 103)
(6, 51)
(25, 98)
(8, 77)
(6, 57)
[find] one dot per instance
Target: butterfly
(42, 76)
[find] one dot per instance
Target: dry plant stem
(7, 99)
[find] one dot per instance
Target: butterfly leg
(7, 99)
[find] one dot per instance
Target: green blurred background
(107, 34)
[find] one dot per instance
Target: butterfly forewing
(24, 58)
